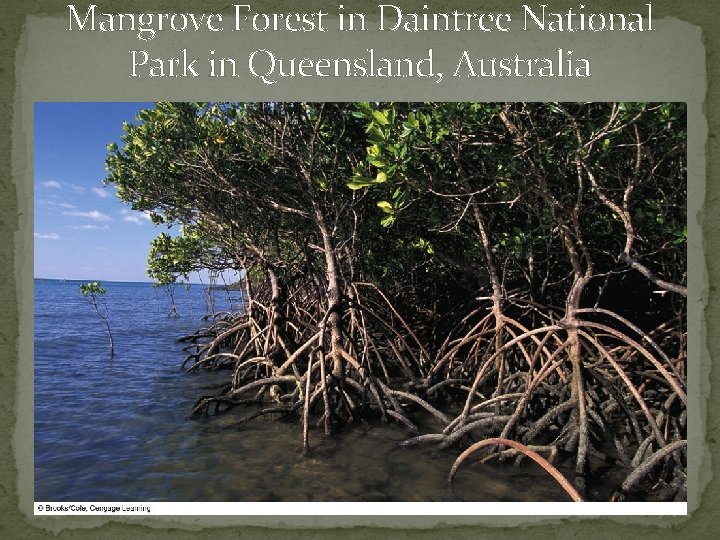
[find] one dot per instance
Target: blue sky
(82, 230)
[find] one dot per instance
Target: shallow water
(116, 429)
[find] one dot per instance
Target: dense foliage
(516, 270)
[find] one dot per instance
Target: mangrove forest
(513, 275)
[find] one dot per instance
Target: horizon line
(112, 280)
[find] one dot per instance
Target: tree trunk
(497, 308)
(575, 352)
(334, 295)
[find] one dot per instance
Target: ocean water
(117, 428)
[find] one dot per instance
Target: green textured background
(41, 62)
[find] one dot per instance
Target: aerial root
(547, 418)
(524, 379)
(647, 465)
(203, 404)
(424, 404)
(545, 464)
(428, 438)
(551, 449)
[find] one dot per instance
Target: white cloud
(90, 227)
(51, 184)
(94, 215)
(48, 203)
(100, 192)
(51, 236)
(77, 189)
(138, 218)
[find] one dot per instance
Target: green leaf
(137, 141)
(376, 135)
(381, 117)
(386, 207)
(363, 106)
(92, 288)
(387, 221)
(360, 182)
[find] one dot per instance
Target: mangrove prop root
(262, 412)
(523, 379)
(545, 464)
(645, 467)
(512, 452)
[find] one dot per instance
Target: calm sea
(117, 428)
